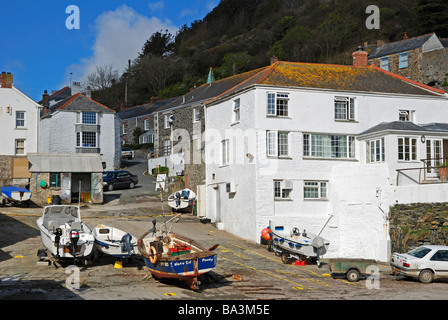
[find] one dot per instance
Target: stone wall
(435, 67)
(414, 69)
(5, 170)
(413, 225)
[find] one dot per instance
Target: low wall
(413, 225)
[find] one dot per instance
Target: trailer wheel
(285, 258)
(353, 275)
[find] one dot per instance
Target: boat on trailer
(64, 234)
(181, 200)
(114, 242)
(291, 243)
(15, 195)
(169, 255)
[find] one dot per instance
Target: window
(328, 146)
(86, 118)
(277, 144)
(282, 189)
(405, 115)
(441, 255)
(376, 151)
(20, 119)
(20, 147)
(404, 60)
(344, 108)
(146, 124)
(225, 152)
(236, 110)
(278, 104)
(315, 190)
(86, 139)
(166, 147)
(407, 149)
(196, 115)
(125, 128)
(384, 63)
(55, 180)
(167, 121)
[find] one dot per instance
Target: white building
(78, 124)
(302, 144)
(19, 120)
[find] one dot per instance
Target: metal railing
(432, 171)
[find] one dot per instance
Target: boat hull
(15, 194)
(181, 200)
(108, 241)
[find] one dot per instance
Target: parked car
(425, 263)
(119, 179)
(127, 153)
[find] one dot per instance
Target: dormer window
(406, 115)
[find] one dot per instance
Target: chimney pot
(274, 59)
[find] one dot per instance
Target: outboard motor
(178, 196)
(57, 239)
(153, 229)
(126, 243)
(74, 237)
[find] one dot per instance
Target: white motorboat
(64, 234)
(290, 242)
(114, 242)
(181, 200)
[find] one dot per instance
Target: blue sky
(39, 50)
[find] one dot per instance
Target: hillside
(240, 35)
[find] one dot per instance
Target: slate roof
(79, 102)
(330, 77)
(400, 46)
(144, 109)
(407, 126)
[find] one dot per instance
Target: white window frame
(17, 147)
(196, 115)
(320, 188)
(277, 104)
(166, 121)
(407, 149)
(80, 118)
(384, 63)
(406, 115)
(21, 120)
(81, 138)
(281, 191)
(236, 110)
(274, 145)
(404, 60)
(344, 109)
(323, 146)
(124, 128)
(376, 150)
(146, 124)
(225, 152)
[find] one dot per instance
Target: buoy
(118, 264)
(266, 234)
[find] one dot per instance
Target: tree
(432, 16)
(103, 78)
(160, 44)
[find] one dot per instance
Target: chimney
(405, 37)
(89, 92)
(154, 99)
(359, 57)
(6, 80)
(274, 59)
(379, 43)
(45, 99)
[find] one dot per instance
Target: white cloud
(119, 36)
(155, 6)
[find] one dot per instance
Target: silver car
(426, 263)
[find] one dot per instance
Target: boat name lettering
(182, 263)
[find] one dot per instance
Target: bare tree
(103, 78)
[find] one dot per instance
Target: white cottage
(302, 144)
(19, 120)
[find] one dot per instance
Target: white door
(434, 155)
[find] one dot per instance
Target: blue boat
(12, 194)
(169, 255)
